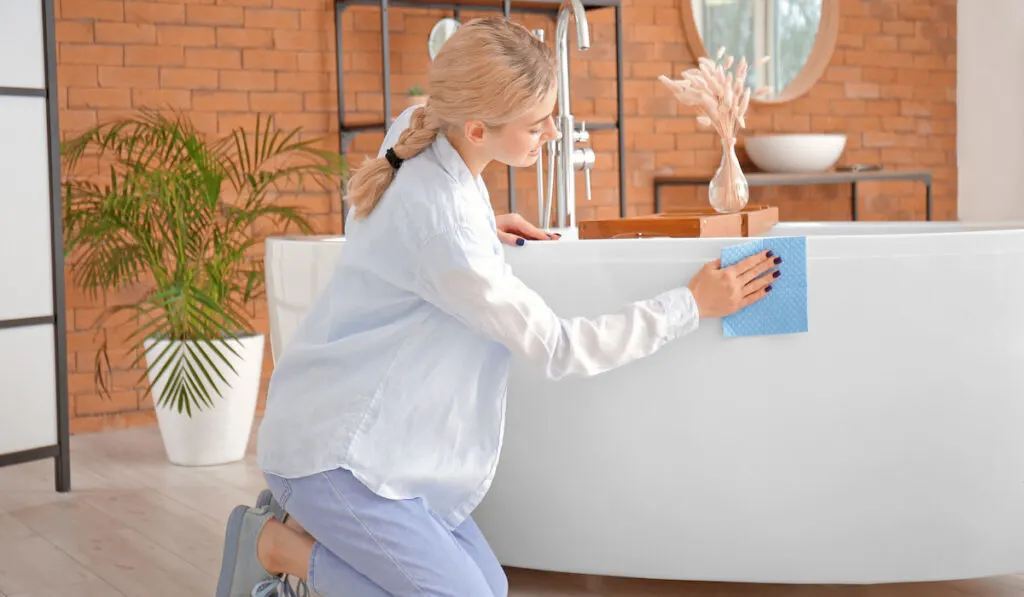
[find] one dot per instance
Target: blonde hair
(490, 70)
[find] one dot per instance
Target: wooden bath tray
(696, 223)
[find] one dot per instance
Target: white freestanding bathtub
(886, 444)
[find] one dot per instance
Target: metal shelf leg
(385, 38)
(620, 112)
(339, 63)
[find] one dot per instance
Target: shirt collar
(452, 162)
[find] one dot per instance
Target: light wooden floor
(136, 526)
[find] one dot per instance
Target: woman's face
(519, 142)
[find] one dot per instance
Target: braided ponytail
(370, 181)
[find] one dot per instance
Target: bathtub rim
(941, 229)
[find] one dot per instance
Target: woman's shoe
(266, 500)
(241, 573)
(279, 589)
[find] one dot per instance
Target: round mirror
(797, 36)
(439, 34)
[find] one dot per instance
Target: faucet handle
(582, 136)
(583, 159)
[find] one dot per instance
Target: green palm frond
(159, 215)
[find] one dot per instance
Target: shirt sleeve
(460, 272)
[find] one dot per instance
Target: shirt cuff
(680, 310)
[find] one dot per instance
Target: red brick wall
(222, 61)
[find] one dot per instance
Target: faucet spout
(570, 159)
(582, 27)
(574, 7)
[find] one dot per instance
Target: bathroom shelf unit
(347, 128)
(34, 408)
(766, 179)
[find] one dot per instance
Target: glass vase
(728, 192)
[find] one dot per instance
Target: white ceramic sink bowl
(795, 153)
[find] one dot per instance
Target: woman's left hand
(514, 230)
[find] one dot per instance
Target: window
(782, 29)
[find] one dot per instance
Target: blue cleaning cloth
(784, 310)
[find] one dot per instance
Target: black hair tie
(393, 159)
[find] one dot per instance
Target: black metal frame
(22, 92)
(851, 178)
(545, 7)
(59, 452)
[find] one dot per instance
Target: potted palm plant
(181, 216)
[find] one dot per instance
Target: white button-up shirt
(399, 371)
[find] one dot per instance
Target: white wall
(990, 109)
(28, 365)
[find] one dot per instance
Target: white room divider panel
(33, 344)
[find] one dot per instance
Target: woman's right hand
(723, 291)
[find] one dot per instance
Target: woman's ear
(474, 131)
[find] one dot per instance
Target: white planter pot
(220, 434)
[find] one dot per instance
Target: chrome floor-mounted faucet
(564, 158)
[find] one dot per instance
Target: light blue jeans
(369, 546)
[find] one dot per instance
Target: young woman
(386, 410)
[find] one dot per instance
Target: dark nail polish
(778, 260)
(776, 274)
(520, 241)
(768, 254)
(768, 288)
(558, 235)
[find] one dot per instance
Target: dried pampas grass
(717, 92)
